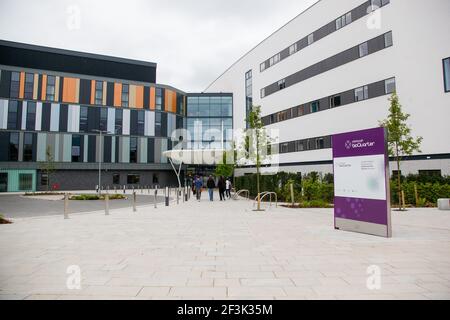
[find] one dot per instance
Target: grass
(90, 197)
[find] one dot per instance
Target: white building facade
(332, 70)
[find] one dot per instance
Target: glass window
(215, 110)
(25, 181)
(271, 62)
(125, 95)
(98, 92)
(388, 39)
(263, 92)
(116, 178)
(389, 86)
(44, 179)
(320, 143)
(314, 106)
(118, 121)
(103, 119)
(31, 115)
(293, 49)
(76, 148)
(133, 150)
(310, 38)
(276, 58)
(28, 146)
(83, 119)
(262, 67)
(140, 127)
(159, 94)
(13, 146)
(203, 110)
(133, 178)
(335, 101)
(300, 145)
(13, 109)
(158, 124)
(348, 18)
(282, 84)
(338, 23)
(363, 49)
(51, 80)
(447, 74)
(15, 85)
(284, 148)
(29, 86)
(362, 93)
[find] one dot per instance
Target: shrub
(96, 197)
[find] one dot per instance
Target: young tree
(257, 144)
(400, 141)
(48, 166)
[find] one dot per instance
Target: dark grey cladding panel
(85, 91)
(63, 114)
(302, 43)
(324, 104)
(348, 97)
(376, 89)
(271, 89)
(360, 11)
(92, 144)
(5, 83)
(376, 44)
(284, 54)
(324, 31)
(107, 149)
(4, 145)
(110, 94)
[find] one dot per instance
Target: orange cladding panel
(69, 90)
(92, 91)
(152, 98)
(44, 87)
(22, 85)
(139, 97)
(117, 94)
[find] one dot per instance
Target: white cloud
(193, 41)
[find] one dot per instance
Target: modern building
(72, 111)
(333, 68)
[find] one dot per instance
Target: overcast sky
(192, 41)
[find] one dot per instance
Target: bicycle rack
(264, 195)
(237, 194)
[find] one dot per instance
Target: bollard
(115, 189)
(142, 190)
(184, 194)
(124, 189)
(66, 206)
(178, 196)
(134, 201)
(156, 196)
(107, 204)
(166, 194)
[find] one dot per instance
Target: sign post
(361, 182)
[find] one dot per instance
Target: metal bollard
(134, 201)
(124, 189)
(185, 194)
(115, 189)
(66, 206)
(107, 204)
(156, 196)
(166, 194)
(178, 196)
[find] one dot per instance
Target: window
(76, 148)
(389, 86)
(320, 143)
(159, 94)
(103, 119)
(25, 181)
(310, 39)
(276, 58)
(13, 146)
(116, 178)
(44, 179)
(31, 116)
(83, 119)
(133, 178)
(282, 84)
(363, 49)
(343, 21)
(133, 150)
(430, 173)
(140, 124)
(314, 106)
(447, 74)
(15, 85)
(271, 61)
(158, 124)
(348, 18)
(29, 86)
(125, 95)
(388, 39)
(263, 92)
(262, 67)
(362, 93)
(118, 121)
(300, 145)
(284, 148)
(99, 92)
(13, 109)
(293, 49)
(155, 178)
(335, 101)
(51, 80)
(27, 147)
(248, 94)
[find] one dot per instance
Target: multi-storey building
(333, 68)
(73, 111)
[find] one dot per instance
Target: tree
(48, 166)
(400, 141)
(257, 144)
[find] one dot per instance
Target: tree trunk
(399, 182)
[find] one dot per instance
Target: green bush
(428, 193)
(96, 197)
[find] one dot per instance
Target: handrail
(237, 194)
(265, 194)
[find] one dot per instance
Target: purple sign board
(361, 182)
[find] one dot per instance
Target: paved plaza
(222, 250)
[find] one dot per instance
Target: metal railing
(236, 195)
(264, 195)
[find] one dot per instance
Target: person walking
(211, 185)
(221, 186)
(228, 188)
(198, 187)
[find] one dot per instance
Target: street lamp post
(100, 159)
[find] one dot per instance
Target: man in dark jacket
(211, 185)
(221, 186)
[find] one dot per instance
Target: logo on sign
(357, 144)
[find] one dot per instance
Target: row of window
(248, 94)
(304, 145)
(370, 91)
(357, 13)
(446, 63)
(210, 106)
(369, 47)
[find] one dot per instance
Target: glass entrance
(3, 182)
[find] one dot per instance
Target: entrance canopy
(193, 157)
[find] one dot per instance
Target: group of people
(224, 186)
